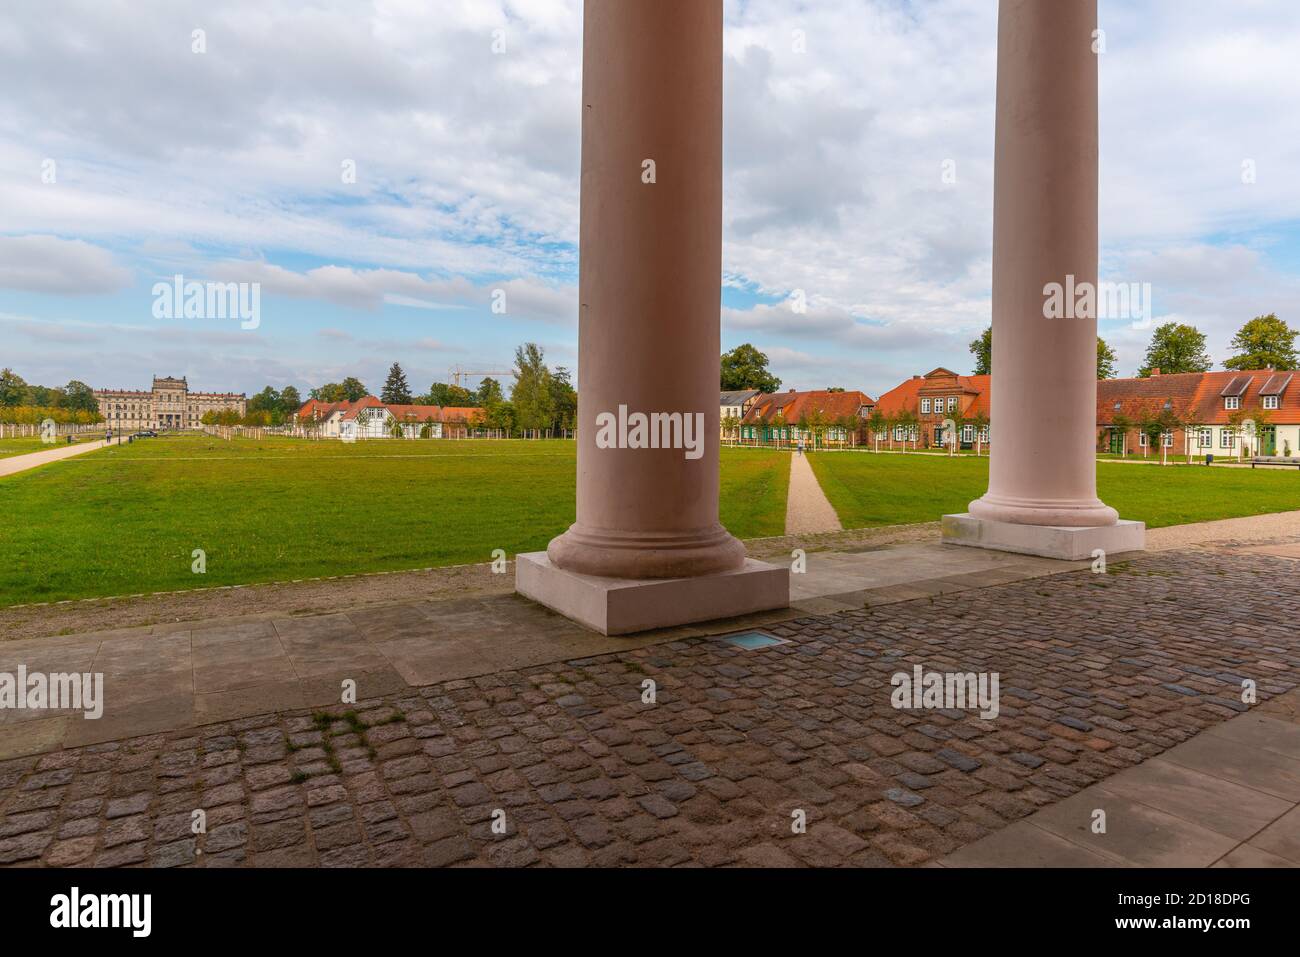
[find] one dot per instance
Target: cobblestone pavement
(1097, 674)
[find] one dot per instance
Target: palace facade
(169, 405)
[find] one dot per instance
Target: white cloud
(67, 267)
(228, 163)
(371, 288)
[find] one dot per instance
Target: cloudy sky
(126, 157)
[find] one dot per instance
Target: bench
(1274, 460)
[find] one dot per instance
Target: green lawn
(20, 446)
(869, 490)
(126, 519)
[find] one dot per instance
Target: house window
(984, 434)
(952, 403)
(1270, 402)
(1228, 439)
(1168, 438)
(968, 433)
(1205, 438)
(1142, 440)
(898, 433)
(925, 406)
(1232, 402)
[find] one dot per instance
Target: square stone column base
(1048, 541)
(622, 606)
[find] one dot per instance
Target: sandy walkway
(1251, 528)
(21, 463)
(807, 510)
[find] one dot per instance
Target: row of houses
(787, 418)
(372, 418)
(1221, 413)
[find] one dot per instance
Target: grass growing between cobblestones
(127, 519)
(870, 490)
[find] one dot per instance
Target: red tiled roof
(794, 406)
(1200, 395)
(463, 414)
(907, 396)
(415, 413)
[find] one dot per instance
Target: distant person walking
(799, 450)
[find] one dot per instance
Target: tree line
(1265, 342)
(541, 401)
(23, 403)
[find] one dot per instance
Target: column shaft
(650, 278)
(1044, 402)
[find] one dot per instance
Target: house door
(1268, 440)
(1116, 442)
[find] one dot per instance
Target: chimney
(1155, 372)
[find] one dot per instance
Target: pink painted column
(1044, 404)
(650, 277)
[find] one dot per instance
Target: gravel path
(807, 510)
(1252, 528)
(21, 463)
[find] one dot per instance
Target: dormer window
(1232, 402)
(1273, 389)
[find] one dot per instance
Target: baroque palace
(170, 405)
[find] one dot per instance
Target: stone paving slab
(1098, 675)
(1223, 799)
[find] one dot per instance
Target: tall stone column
(649, 334)
(1042, 495)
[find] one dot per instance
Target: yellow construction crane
(457, 373)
